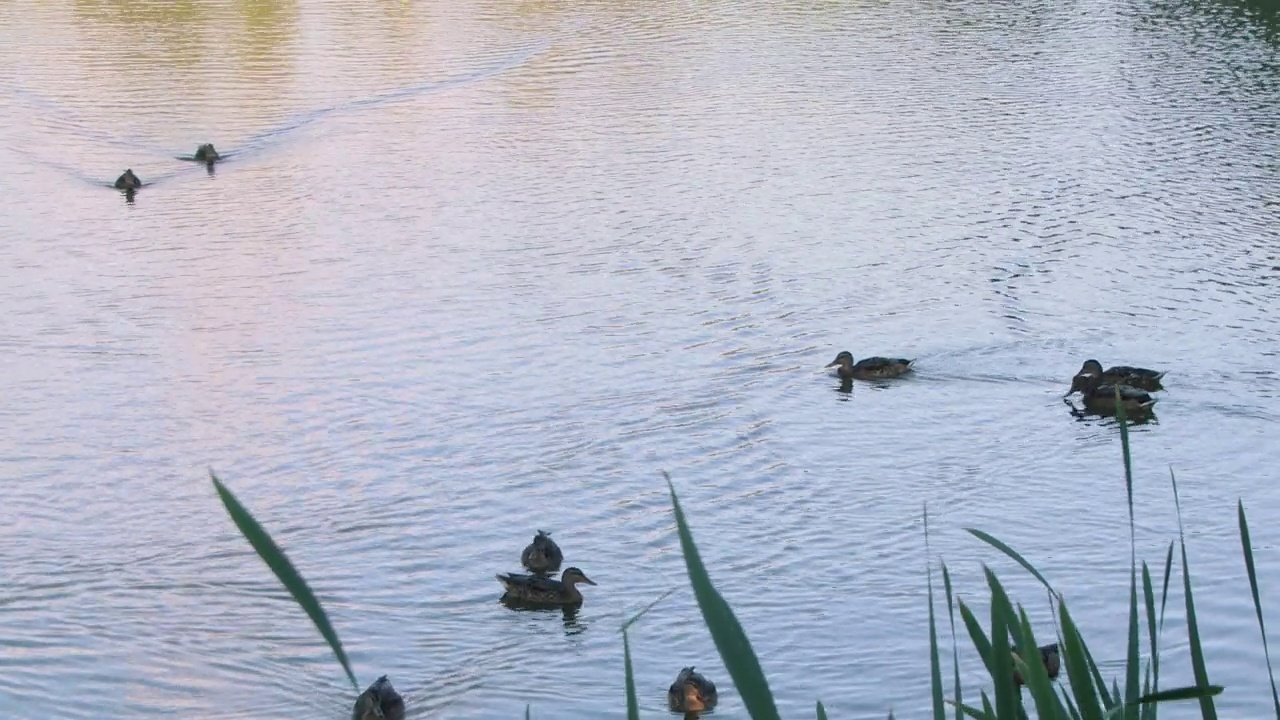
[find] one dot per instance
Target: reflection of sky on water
(259, 142)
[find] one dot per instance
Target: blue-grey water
(473, 269)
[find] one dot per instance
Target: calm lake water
(478, 268)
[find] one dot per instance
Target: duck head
(573, 576)
(844, 359)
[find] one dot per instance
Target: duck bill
(833, 363)
(588, 580)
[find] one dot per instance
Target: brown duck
(872, 368)
(691, 692)
(542, 555)
(545, 591)
(1135, 377)
(1100, 397)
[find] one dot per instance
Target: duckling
(872, 368)
(1049, 655)
(691, 692)
(379, 702)
(545, 591)
(542, 555)
(1135, 377)
(206, 154)
(128, 181)
(1100, 398)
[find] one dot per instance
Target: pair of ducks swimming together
(542, 557)
(1096, 386)
(206, 154)
(691, 693)
(1121, 386)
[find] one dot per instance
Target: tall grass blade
(987, 709)
(1008, 698)
(1207, 710)
(1247, 545)
(1071, 707)
(279, 563)
(1075, 657)
(822, 712)
(1182, 693)
(935, 666)
(730, 639)
(1164, 591)
(1011, 553)
(1151, 682)
(955, 645)
(977, 635)
(1131, 658)
(528, 711)
(633, 705)
(1034, 673)
(970, 711)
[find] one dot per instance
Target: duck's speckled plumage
(691, 692)
(872, 368)
(542, 555)
(545, 591)
(379, 702)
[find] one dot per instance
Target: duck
(691, 692)
(206, 154)
(1135, 377)
(379, 702)
(545, 591)
(128, 181)
(1100, 396)
(872, 368)
(542, 555)
(1049, 655)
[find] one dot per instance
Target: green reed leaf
(993, 542)
(1207, 710)
(1247, 545)
(633, 705)
(935, 665)
(730, 639)
(284, 570)
(1183, 693)
(955, 645)
(1151, 682)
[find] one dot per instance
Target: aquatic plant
(1086, 695)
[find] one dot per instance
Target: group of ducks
(691, 693)
(129, 182)
(1097, 387)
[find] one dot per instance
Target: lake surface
(478, 268)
